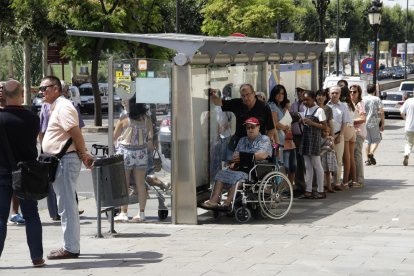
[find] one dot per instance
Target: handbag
(53, 160)
(30, 179)
(157, 161)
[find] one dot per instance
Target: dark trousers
(30, 213)
(300, 168)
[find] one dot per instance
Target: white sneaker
(122, 217)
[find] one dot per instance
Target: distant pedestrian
(407, 112)
(20, 129)
(359, 117)
(374, 123)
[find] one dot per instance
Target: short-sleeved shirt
(408, 109)
(297, 107)
(360, 129)
(260, 144)
(340, 113)
(44, 117)
(373, 104)
(63, 117)
(260, 111)
(278, 110)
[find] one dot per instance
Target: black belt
(73, 151)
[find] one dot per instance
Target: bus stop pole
(110, 105)
(183, 175)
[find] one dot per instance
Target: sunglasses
(43, 88)
(250, 127)
(353, 91)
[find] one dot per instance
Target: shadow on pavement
(312, 210)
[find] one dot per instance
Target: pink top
(360, 129)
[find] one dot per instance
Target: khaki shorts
(349, 134)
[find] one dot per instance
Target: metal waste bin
(109, 174)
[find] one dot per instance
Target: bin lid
(108, 160)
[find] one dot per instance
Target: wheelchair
(267, 193)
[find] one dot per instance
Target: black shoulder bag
(53, 160)
(30, 179)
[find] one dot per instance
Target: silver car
(164, 136)
(393, 100)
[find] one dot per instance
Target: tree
(256, 18)
(90, 15)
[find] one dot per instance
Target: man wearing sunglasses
(64, 124)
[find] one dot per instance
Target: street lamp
(374, 15)
(321, 6)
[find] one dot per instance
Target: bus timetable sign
(367, 65)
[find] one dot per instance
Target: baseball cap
(302, 87)
(252, 121)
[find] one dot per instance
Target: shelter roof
(197, 49)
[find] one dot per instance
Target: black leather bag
(52, 162)
(31, 180)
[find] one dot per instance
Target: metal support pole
(374, 77)
(406, 44)
(98, 204)
(110, 104)
(337, 38)
(177, 16)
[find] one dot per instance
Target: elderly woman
(255, 143)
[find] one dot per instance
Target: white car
(87, 101)
(392, 102)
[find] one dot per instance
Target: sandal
(372, 159)
(318, 195)
(357, 185)
(307, 195)
(338, 187)
(368, 163)
(209, 204)
(330, 190)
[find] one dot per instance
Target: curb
(95, 129)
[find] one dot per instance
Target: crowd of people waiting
(319, 136)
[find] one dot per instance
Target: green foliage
(256, 18)
(35, 62)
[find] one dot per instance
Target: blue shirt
(260, 144)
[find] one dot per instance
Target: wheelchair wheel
(243, 214)
(275, 195)
(162, 214)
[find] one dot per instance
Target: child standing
(328, 158)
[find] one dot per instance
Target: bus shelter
(203, 62)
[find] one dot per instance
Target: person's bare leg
(15, 205)
(218, 188)
(373, 148)
(124, 208)
(230, 195)
(139, 176)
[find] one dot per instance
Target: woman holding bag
(278, 102)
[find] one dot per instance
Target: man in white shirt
(407, 113)
(341, 118)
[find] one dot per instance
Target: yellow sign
(118, 73)
(124, 78)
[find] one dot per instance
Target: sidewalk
(368, 231)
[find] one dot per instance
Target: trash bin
(111, 180)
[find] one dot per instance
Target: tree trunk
(45, 42)
(72, 71)
(26, 75)
(95, 88)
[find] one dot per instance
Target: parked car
(87, 102)
(37, 102)
(406, 86)
(392, 101)
(163, 108)
(398, 74)
(164, 136)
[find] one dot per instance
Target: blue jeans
(64, 186)
(30, 214)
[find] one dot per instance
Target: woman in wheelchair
(255, 143)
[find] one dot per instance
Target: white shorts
(134, 157)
